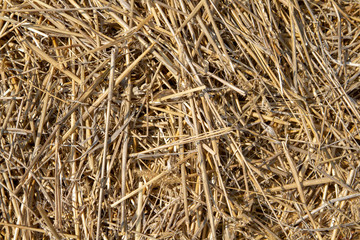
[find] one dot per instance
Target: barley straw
(173, 119)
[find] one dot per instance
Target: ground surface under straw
(179, 119)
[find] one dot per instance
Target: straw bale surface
(179, 119)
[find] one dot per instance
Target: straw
(173, 119)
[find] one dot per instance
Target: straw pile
(178, 119)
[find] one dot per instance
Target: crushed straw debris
(179, 119)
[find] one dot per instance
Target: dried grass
(179, 119)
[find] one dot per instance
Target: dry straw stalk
(179, 119)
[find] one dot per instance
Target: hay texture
(179, 119)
